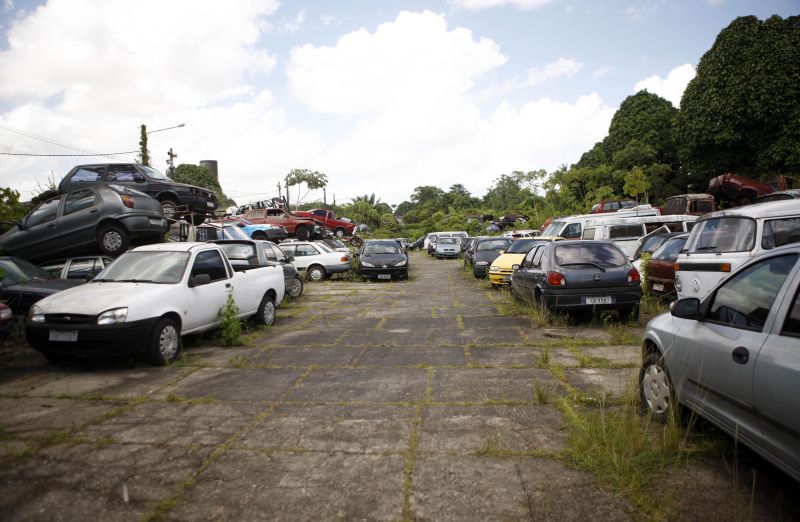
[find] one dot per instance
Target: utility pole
(170, 161)
(324, 196)
(287, 193)
(280, 193)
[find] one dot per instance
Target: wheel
(112, 239)
(302, 233)
(629, 314)
(259, 235)
(655, 387)
(58, 358)
(316, 273)
(165, 342)
(266, 311)
(297, 287)
(168, 207)
(339, 232)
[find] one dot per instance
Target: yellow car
(500, 271)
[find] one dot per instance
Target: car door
(776, 381)
(521, 281)
(36, 240)
(77, 223)
(306, 255)
(209, 298)
(719, 353)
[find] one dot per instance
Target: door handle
(228, 285)
(741, 355)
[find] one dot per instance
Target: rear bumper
(575, 299)
(337, 269)
(93, 340)
(140, 224)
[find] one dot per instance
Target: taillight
(556, 279)
(633, 276)
(127, 200)
(345, 259)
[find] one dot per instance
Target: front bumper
(479, 270)
(447, 254)
(575, 298)
(394, 272)
(500, 278)
(92, 340)
(198, 204)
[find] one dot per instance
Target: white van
(461, 234)
(626, 232)
(722, 241)
(571, 227)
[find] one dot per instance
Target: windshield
(493, 244)
(336, 243)
(447, 241)
(723, 234)
(382, 248)
(234, 232)
(153, 173)
(590, 253)
(150, 267)
(20, 271)
(670, 249)
(238, 250)
(553, 228)
(520, 246)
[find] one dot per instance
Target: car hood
(94, 298)
(508, 260)
(383, 259)
(46, 287)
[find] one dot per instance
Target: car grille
(69, 318)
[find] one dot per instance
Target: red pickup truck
(328, 219)
(301, 227)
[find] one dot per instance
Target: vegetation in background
(202, 177)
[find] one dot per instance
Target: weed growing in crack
(542, 395)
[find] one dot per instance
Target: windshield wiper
(138, 281)
(585, 263)
(698, 249)
(104, 280)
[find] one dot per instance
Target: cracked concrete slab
(604, 383)
(234, 384)
(379, 385)
(483, 385)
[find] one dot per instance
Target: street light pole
(166, 128)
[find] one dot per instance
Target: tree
(312, 179)
(645, 118)
(144, 155)
(741, 111)
(636, 183)
(202, 177)
(10, 208)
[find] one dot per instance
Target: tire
(302, 233)
(112, 239)
(540, 301)
(169, 207)
(339, 232)
(296, 289)
(656, 392)
(629, 314)
(266, 311)
(165, 342)
(316, 273)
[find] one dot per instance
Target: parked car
(501, 268)
(469, 249)
(6, 321)
(317, 260)
(576, 276)
(336, 244)
(303, 228)
(83, 267)
(258, 231)
(176, 199)
(22, 284)
(417, 244)
(486, 251)
(741, 190)
(612, 205)
(99, 218)
(382, 259)
(447, 247)
(327, 219)
(253, 253)
(732, 357)
(147, 299)
(693, 204)
(661, 266)
(183, 231)
(779, 196)
(722, 241)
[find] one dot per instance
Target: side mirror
(138, 178)
(290, 259)
(687, 308)
(199, 280)
(514, 267)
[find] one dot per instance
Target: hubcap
(296, 288)
(168, 342)
(112, 240)
(269, 313)
(656, 389)
(316, 275)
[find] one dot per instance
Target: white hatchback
(317, 260)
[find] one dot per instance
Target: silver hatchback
(734, 357)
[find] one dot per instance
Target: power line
(46, 140)
(107, 154)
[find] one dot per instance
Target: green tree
(636, 183)
(312, 179)
(202, 177)
(144, 155)
(741, 111)
(10, 208)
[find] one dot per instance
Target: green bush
(231, 325)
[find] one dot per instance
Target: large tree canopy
(741, 113)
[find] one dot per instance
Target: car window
(88, 174)
(745, 299)
(122, 173)
(724, 234)
(55, 268)
(83, 268)
(520, 245)
(493, 244)
(652, 243)
(572, 231)
(287, 249)
(319, 213)
(779, 232)
(13, 271)
(79, 200)
(208, 234)
(588, 233)
(239, 251)
(43, 213)
(611, 205)
(270, 252)
(670, 249)
(590, 252)
(537, 257)
(382, 248)
(791, 326)
(305, 251)
(256, 214)
(625, 231)
(209, 262)
(529, 256)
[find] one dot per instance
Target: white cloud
(601, 72)
(477, 5)
(288, 26)
(561, 68)
(672, 86)
(330, 20)
(8, 6)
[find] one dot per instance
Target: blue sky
(381, 96)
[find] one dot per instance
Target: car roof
(173, 247)
(768, 209)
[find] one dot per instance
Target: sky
(381, 96)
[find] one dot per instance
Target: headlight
(481, 263)
(364, 263)
(36, 314)
(117, 315)
(494, 268)
(401, 263)
(678, 284)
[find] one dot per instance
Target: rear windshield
(594, 253)
(520, 246)
(238, 250)
(493, 244)
(447, 241)
(723, 234)
(553, 228)
(670, 249)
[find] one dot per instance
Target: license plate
(210, 204)
(156, 221)
(599, 300)
(658, 287)
(69, 336)
(384, 276)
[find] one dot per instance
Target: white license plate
(384, 276)
(210, 204)
(658, 287)
(69, 336)
(599, 300)
(155, 221)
